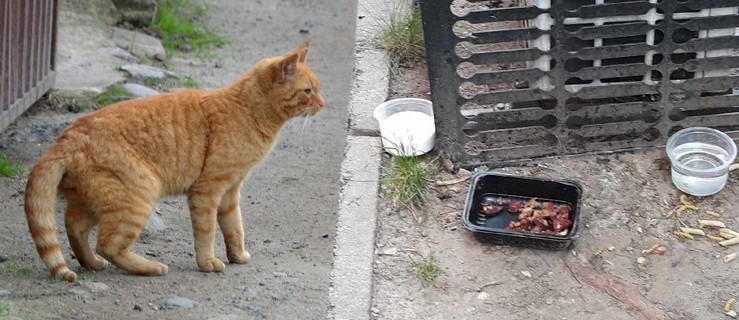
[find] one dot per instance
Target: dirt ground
(289, 202)
(626, 200)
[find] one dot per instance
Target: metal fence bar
(27, 49)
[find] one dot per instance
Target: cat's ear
(302, 49)
(287, 66)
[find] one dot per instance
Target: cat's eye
(307, 91)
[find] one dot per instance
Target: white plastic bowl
(406, 126)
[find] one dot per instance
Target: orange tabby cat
(113, 164)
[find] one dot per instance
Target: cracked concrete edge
(350, 293)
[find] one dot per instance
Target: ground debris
(713, 214)
(730, 257)
(711, 223)
(642, 308)
(729, 304)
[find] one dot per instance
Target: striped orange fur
(113, 164)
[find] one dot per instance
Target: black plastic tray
(493, 230)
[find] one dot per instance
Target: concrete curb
(350, 294)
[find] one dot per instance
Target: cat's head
(295, 90)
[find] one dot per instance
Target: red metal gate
(27, 49)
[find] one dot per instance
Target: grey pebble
(138, 307)
(375, 310)
(142, 72)
(142, 91)
(4, 293)
(179, 302)
(279, 274)
(250, 293)
(227, 317)
(256, 311)
(78, 292)
(304, 30)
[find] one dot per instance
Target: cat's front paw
(211, 265)
(240, 258)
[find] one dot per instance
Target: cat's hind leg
(120, 224)
(79, 220)
(229, 219)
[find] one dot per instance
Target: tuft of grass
(401, 34)
(178, 23)
(8, 168)
(5, 309)
(188, 82)
(9, 266)
(426, 270)
(405, 182)
(111, 95)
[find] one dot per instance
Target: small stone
(256, 311)
(389, 252)
(611, 248)
(731, 313)
(4, 293)
(95, 286)
(297, 245)
(639, 230)
(278, 274)
(78, 292)
(374, 310)
(454, 228)
(184, 47)
(250, 293)
(218, 64)
(549, 300)
(120, 54)
(227, 317)
(325, 235)
(179, 302)
(137, 43)
(483, 296)
(641, 260)
(143, 91)
(144, 72)
(138, 307)
(526, 274)
(304, 30)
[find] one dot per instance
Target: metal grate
(512, 80)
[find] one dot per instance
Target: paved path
(290, 201)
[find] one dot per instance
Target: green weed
(111, 95)
(426, 270)
(401, 34)
(405, 182)
(5, 309)
(178, 23)
(9, 266)
(8, 168)
(188, 82)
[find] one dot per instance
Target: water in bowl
(700, 156)
(408, 132)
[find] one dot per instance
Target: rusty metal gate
(514, 80)
(27, 48)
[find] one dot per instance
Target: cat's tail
(39, 205)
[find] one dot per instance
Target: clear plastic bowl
(700, 159)
(406, 126)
